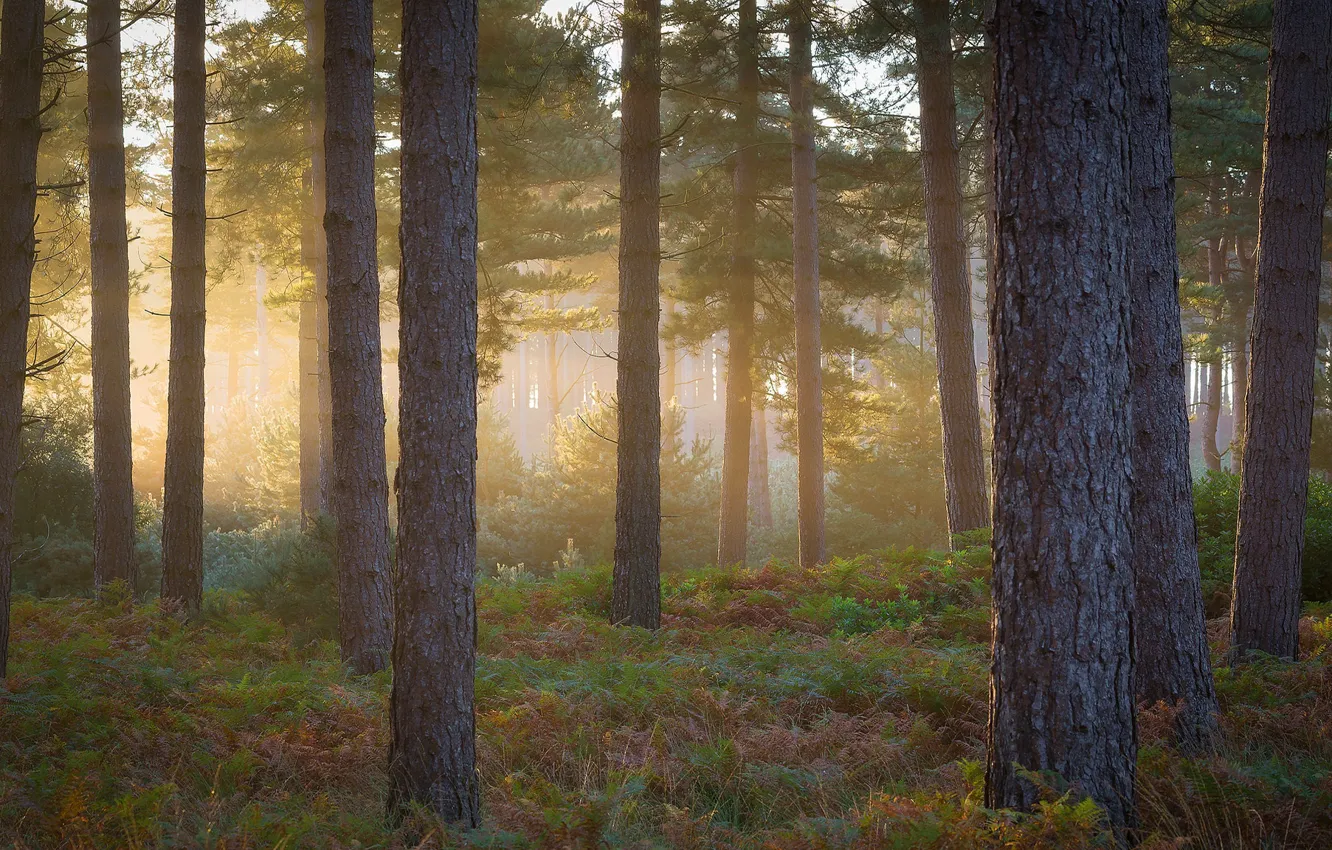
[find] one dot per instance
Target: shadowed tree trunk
(1173, 661)
(360, 482)
(1211, 420)
(21, 27)
(113, 449)
(733, 528)
(182, 500)
(954, 342)
(1062, 674)
(432, 755)
(636, 588)
(805, 258)
(1265, 603)
(1240, 393)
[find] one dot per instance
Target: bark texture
(314, 240)
(733, 527)
(113, 450)
(1265, 603)
(1173, 661)
(805, 258)
(432, 754)
(21, 27)
(636, 588)
(360, 480)
(182, 501)
(954, 341)
(1062, 676)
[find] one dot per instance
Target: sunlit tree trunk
(1062, 676)
(182, 501)
(316, 260)
(360, 480)
(312, 504)
(1265, 603)
(432, 754)
(1240, 393)
(113, 449)
(636, 590)
(760, 491)
(1211, 420)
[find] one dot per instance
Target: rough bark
(1211, 419)
(182, 500)
(113, 450)
(360, 480)
(1173, 660)
(432, 755)
(950, 280)
(20, 132)
(1265, 603)
(1062, 676)
(636, 588)
(805, 258)
(733, 526)
(312, 503)
(316, 260)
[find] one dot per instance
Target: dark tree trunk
(1240, 393)
(360, 482)
(182, 501)
(432, 757)
(308, 387)
(1212, 417)
(636, 596)
(805, 257)
(954, 341)
(733, 528)
(760, 493)
(315, 240)
(21, 27)
(1173, 661)
(1265, 604)
(113, 449)
(1062, 674)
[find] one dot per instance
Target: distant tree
(21, 27)
(636, 589)
(359, 497)
(432, 754)
(1173, 660)
(182, 500)
(1265, 603)
(1062, 681)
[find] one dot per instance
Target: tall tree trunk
(1265, 603)
(312, 503)
(954, 341)
(113, 448)
(671, 374)
(805, 258)
(1173, 661)
(760, 491)
(21, 28)
(182, 501)
(1062, 674)
(733, 527)
(317, 258)
(553, 396)
(1212, 416)
(360, 480)
(1240, 392)
(636, 596)
(432, 757)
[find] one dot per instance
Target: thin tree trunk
(1265, 604)
(553, 397)
(308, 388)
(1240, 392)
(21, 29)
(954, 341)
(733, 527)
(182, 501)
(760, 491)
(1212, 417)
(360, 480)
(805, 257)
(432, 757)
(113, 449)
(671, 374)
(636, 596)
(1173, 661)
(1062, 674)
(317, 259)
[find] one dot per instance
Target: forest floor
(843, 708)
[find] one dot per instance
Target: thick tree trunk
(432, 757)
(312, 504)
(760, 492)
(733, 528)
(636, 596)
(182, 501)
(360, 481)
(805, 257)
(1173, 660)
(113, 449)
(1265, 604)
(316, 241)
(1062, 675)
(21, 28)
(954, 342)
(1212, 417)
